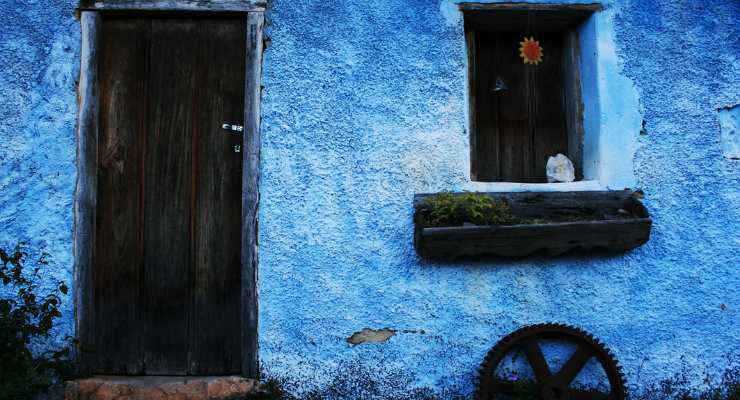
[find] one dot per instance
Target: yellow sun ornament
(531, 51)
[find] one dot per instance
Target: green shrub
(27, 314)
(448, 209)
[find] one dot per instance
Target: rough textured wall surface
(364, 105)
(39, 49)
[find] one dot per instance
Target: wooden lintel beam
(529, 6)
(223, 6)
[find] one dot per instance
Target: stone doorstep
(104, 387)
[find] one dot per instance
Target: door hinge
(234, 128)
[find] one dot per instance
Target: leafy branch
(27, 314)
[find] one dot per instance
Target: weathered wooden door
(521, 109)
(166, 273)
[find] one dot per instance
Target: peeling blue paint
(364, 105)
(729, 122)
(612, 117)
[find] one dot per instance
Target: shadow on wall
(352, 380)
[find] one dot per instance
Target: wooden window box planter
(560, 222)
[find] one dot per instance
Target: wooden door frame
(87, 147)
(575, 14)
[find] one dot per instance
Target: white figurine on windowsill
(560, 169)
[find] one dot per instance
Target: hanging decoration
(531, 51)
(500, 85)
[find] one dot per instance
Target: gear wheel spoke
(536, 360)
(548, 385)
(574, 365)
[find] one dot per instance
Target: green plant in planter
(523, 388)
(27, 314)
(447, 209)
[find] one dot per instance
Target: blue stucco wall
(364, 105)
(39, 49)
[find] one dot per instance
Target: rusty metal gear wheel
(551, 385)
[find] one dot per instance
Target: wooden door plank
(573, 101)
(167, 196)
(118, 256)
(472, 87)
(487, 145)
(549, 133)
(513, 117)
(215, 339)
(519, 127)
(220, 6)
